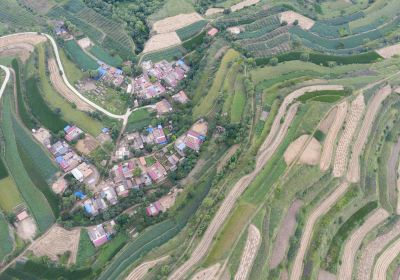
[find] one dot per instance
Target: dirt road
(372, 250)
(354, 242)
(352, 120)
(6, 79)
(329, 142)
(353, 172)
(384, 261)
(319, 211)
(249, 253)
(139, 272)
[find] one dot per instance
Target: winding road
(7, 78)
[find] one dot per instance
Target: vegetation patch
(238, 102)
(79, 57)
(86, 250)
(9, 195)
(189, 31)
(139, 119)
(6, 242)
(102, 55)
(170, 54)
(322, 93)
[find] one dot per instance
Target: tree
(296, 22)
(273, 61)
(305, 56)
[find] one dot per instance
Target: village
(127, 171)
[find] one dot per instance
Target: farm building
(72, 133)
(163, 107)
(110, 194)
(90, 207)
(157, 172)
(154, 209)
(212, 32)
(59, 148)
(22, 215)
(193, 138)
(98, 235)
(159, 136)
(122, 191)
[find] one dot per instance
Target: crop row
(271, 21)
(81, 59)
(11, 13)
(265, 37)
(271, 43)
(344, 19)
(281, 48)
(74, 6)
(189, 31)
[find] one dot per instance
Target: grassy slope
(172, 8)
(9, 194)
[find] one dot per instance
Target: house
(42, 135)
(68, 161)
(157, 172)
(110, 194)
(109, 228)
(173, 160)
(153, 209)
(163, 107)
(90, 207)
(123, 171)
(85, 169)
(100, 203)
(159, 136)
(72, 133)
(180, 97)
(122, 191)
(59, 148)
(97, 235)
(193, 140)
(77, 174)
(22, 216)
(122, 152)
(212, 32)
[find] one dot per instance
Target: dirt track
(353, 173)
(140, 271)
(352, 120)
(354, 242)
(329, 142)
(61, 88)
(319, 211)
(384, 261)
(372, 250)
(392, 173)
(287, 229)
(249, 253)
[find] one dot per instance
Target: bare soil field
(87, 145)
(328, 121)
(174, 23)
(388, 52)
(59, 185)
(310, 155)
(56, 242)
(372, 250)
(208, 273)
(61, 88)
(212, 11)
(353, 173)
(319, 211)
(26, 229)
(22, 50)
(290, 17)
(286, 230)
(384, 261)
(354, 242)
(352, 120)
(329, 142)
(161, 41)
(249, 253)
(243, 4)
(325, 275)
(396, 274)
(31, 39)
(139, 272)
(392, 173)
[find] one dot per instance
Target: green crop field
(139, 119)
(173, 8)
(170, 54)
(86, 250)
(189, 31)
(35, 200)
(3, 170)
(11, 13)
(238, 102)
(9, 194)
(6, 242)
(78, 56)
(102, 55)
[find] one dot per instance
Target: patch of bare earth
(61, 88)
(290, 17)
(87, 144)
(328, 121)
(286, 230)
(384, 261)
(249, 253)
(318, 212)
(26, 229)
(325, 275)
(213, 11)
(372, 250)
(32, 39)
(161, 41)
(310, 155)
(56, 242)
(329, 142)
(353, 118)
(171, 24)
(354, 242)
(353, 173)
(243, 4)
(208, 273)
(59, 185)
(139, 272)
(22, 50)
(388, 52)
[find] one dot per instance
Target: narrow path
(6, 79)
(139, 272)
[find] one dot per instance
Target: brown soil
(325, 275)
(310, 155)
(243, 4)
(290, 17)
(286, 230)
(174, 23)
(388, 52)
(56, 242)
(26, 229)
(384, 261)
(139, 272)
(208, 273)
(328, 121)
(249, 253)
(161, 41)
(87, 145)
